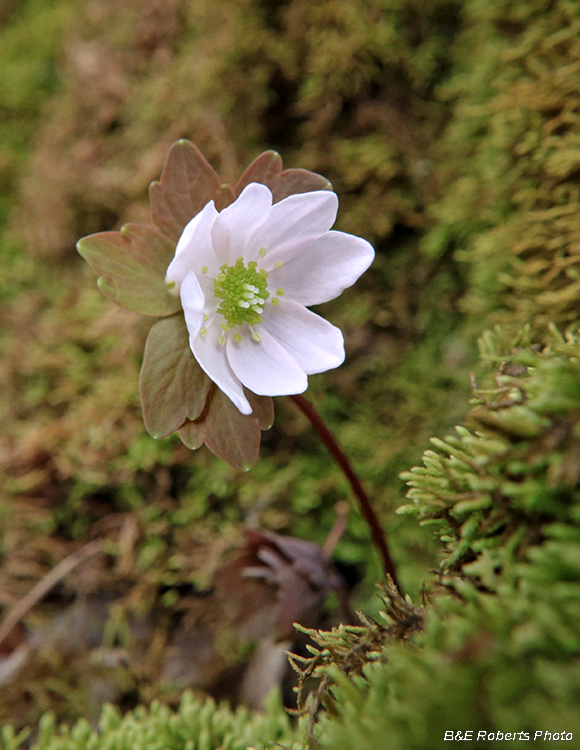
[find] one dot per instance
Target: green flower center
(243, 293)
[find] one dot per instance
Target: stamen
(280, 292)
(278, 264)
(256, 336)
(242, 291)
(205, 318)
(224, 326)
(237, 338)
(275, 301)
(203, 331)
(204, 269)
(222, 339)
(263, 252)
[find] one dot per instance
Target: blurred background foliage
(451, 134)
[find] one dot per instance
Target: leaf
(187, 183)
(297, 574)
(173, 386)
(294, 181)
(267, 169)
(131, 265)
(263, 409)
(230, 435)
(192, 434)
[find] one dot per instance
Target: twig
(45, 584)
(377, 533)
(338, 529)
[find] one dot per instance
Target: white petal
(314, 343)
(321, 269)
(294, 219)
(211, 357)
(238, 221)
(265, 367)
(194, 249)
(193, 303)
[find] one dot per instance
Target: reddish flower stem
(377, 533)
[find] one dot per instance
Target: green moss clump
(512, 205)
(493, 491)
(196, 725)
(500, 652)
(476, 669)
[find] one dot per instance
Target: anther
(237, 338)
(203, 331)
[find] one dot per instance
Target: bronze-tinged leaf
(297, 574)
(263, 409)
(173, 386)
(230, 435)
(267, 169)
(223, 197)
(131, 265)
(187, 183)
(192, 434)
(294, 181)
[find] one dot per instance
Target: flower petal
(194, 249)
(237, 222)
(193, 303)
(211, 357)
(314, 343)
(265, 367)
(321, 269)
(294, 219)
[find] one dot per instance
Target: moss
(511, 206)
(196, 725)
(492, 489)
(500, 650)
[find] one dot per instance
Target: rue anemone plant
(229, 272)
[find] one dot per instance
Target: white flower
(246, 276)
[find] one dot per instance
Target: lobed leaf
(267, 169)
(187, 183)
(173, 386)
(131, 265)
(230, 435)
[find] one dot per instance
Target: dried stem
(377, 533)
(45, 584)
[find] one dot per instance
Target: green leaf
(229, 434)
(267, 169)
(187, 183)
(173, 386)
(131, 265)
